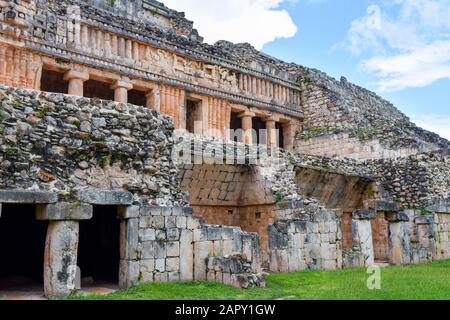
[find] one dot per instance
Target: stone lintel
(440, 206)
(272, 117)
(107, 197)
(364, 214)
(246, 114)
(122, 84)
(424, 220)
(381, 205)
(397, 217)
(74, 74)
(129, 212)
(64, 211)
(27, 197)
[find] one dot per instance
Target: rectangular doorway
(193, 115)
(22, 246)
(98, 89)
(99, 248)
(53, 81)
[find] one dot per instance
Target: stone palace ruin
(131, 152)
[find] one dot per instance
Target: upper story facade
(143, 53)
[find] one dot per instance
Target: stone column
(60, 259)
(154, 98)
(129, 264)
(362, 236)
(76, 82)
(247, 126)
(121, 88)
(271, 132)
(399, 244)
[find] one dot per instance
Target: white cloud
(434, 122)
(255, 21)
(408, 49)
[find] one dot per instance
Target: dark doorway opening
(259, 131)
(98, 89)
(280, 134)
(137, 98)
(99, 247)
(53, 81)
(235, 127)
(22, 246)
(193, 115)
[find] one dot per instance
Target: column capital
(246, 114)
(75, 74)
(271, 118)
(125, 84)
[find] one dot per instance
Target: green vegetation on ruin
(416, 282)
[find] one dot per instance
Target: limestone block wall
(170, 244)
(66, 144)
(306, 244)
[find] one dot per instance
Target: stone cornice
(130, 70)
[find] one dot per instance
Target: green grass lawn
(418, 282)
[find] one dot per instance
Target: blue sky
(397, 48)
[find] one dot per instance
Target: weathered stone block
(60, 260)
(174, 276)
(147, 234)
(161, 235)
(27, 197)
(202, 250)
(147, 267)
(364, 215)
(214, 233)
(173, 264)
(186, 255)
(200, 235)
(362, 240)
(162, 277)
(64, 211)
(106, 197)
(160, 249)
(181, 222)
(171, 222)
(128, 212)
(129, 239)
(173, 234)
(148, 250)
(397, 217)
(128, 274)
(173, 249)
(399, 244)
(160, 265)
(193, 223)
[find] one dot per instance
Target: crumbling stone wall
(349, 121)
(66, 144)
(69, 153)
